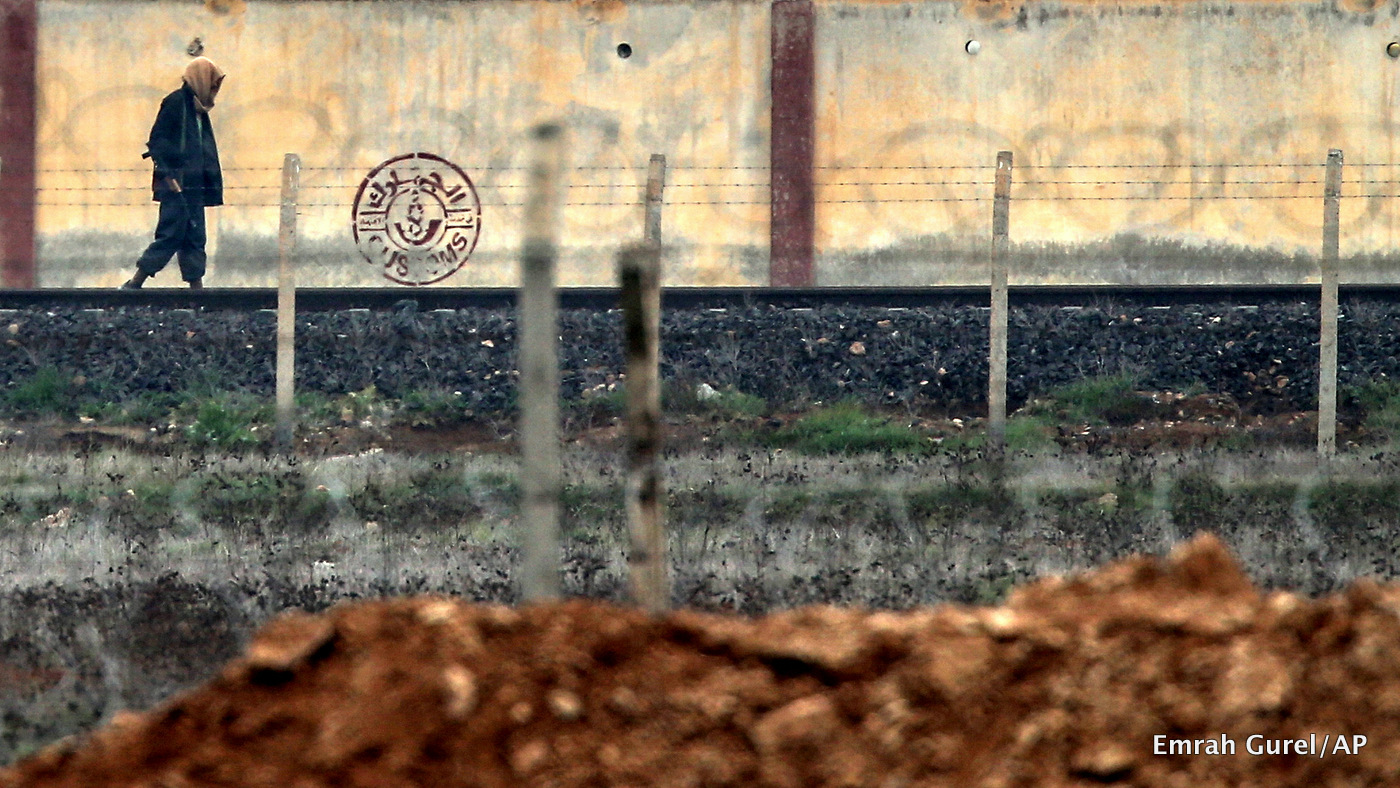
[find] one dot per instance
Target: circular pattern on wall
(418, 217)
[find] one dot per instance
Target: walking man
(187, 177)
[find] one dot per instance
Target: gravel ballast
(925, 359)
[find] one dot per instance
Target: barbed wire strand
(250, 187)
(640, 203)
(763, 168)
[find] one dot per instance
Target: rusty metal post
(996, 378)
(792, 143)
(541, 477)
(1327, 368)
(656, 181)
(639, 273)
(287, 304)
(19, 101)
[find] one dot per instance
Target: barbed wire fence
(334, 186)
(330, 191)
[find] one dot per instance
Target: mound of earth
(1070, 683)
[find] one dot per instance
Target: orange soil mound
(1065, 685)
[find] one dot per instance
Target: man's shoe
(196, 284)
(135, 282)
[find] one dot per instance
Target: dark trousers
(180, 232)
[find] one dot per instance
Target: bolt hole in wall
(624, 50)
(1393, 49)
(973, 46)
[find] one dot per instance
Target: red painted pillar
(793, 123)
(19, 43)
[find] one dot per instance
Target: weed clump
(227, 421)
(848, 428)
(434, 408)
(682, 398)
(277, 499)
(1357, 515)
(1379, 403)
(944, 505)
(47, 392)
(1108, 399)
(428, 498)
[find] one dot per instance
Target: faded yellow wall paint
(349, 85)
(1142, 89)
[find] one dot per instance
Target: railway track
(602, 298)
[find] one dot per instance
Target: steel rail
(324, 299)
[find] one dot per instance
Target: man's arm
(164, 142)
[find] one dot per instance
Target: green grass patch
(587, 505)
(147, 409)
(315, 409)
(47, 392)
(1109, 399)
(787, 504)
(1265, 503)
(226, 420)
(1024, 432)
(146, 505)
(433, 408)
(433, 497)
(684, 398)
(856, 507)
(1379, 402)
(262, 499)
(1081, 504)
(1198, 503)
(848, 429)
(946, 504)
(501, 484)
(1346, 507)
(597, 405)
(153, 493)
(706, 505)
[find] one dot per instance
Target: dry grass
(381, 519)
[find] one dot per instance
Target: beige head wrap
(204, 79)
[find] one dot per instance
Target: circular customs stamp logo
(417, 217)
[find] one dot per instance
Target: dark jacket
(182, 146)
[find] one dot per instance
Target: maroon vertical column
(19, 42)
(791, 147)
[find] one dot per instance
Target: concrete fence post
(287, 304)
(1327, 367)
(639, 274)
(541, 477)
(656, 181)
(996, 378)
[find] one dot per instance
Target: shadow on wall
(106, 259)
(1127, 258)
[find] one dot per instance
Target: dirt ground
(1178, 422)
(1066, 685)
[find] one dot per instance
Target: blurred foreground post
(656, 181)
(1327, 369)
(639, 273)
(540, 477)
(287, 304)
(996, 377)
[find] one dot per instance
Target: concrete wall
(1144, 93)
(1156, 102)
(349, 85)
